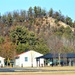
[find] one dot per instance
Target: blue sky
(65, 6)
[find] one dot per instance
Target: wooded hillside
(36, 29)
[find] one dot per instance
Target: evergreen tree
(51, 12)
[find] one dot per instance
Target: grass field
(44, 73)
(59, 68)
(39, 73)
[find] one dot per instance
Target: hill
(36, 29)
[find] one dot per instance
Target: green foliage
(1, 39)
(30, 12)
(43, 12)
(9, 19)
(22, 47)
(68, 21)
(42, 48)
(4, 19)
(22, 15)
(61, 31)
(68, 30)
(35, 11)
(58, 33)
(51, 12)
(19, 35)
(33, 20)
(26, 40)
(38, 12)
(68, 49)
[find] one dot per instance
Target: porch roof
(50, 55)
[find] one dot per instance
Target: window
(26, 59)
(0, 61)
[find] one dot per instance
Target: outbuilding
(28, 59)
(1, 61)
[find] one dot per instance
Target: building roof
(49, 55)
(26, 52)
(71, 55)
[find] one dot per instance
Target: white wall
(1, 61)
(17, 62)
(22, 59)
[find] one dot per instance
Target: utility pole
(59, 58)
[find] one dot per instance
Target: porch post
(59, 58)
(39, 62)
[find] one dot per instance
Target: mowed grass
(38, 73)
(59, 68)
(72, 72)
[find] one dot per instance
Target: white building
(2, 61)
(28, 59)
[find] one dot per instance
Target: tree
(1, 39)
(7, 49)
(51, 12)
(9, 19)
(4, 19)
(21, 47)
(39, 11)
(43, 12)
(55, 44)
(73, 25)
(22, 16)
(35, 11)
(16, 16)
(68, 30)
(19, 35)
(30, 12)
(27, 40)
(42, 48)
(68, 21)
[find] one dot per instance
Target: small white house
(28, 59)
(1, 61)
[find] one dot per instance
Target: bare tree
(55, 44)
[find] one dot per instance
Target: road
(31, 70)
(19, 70)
